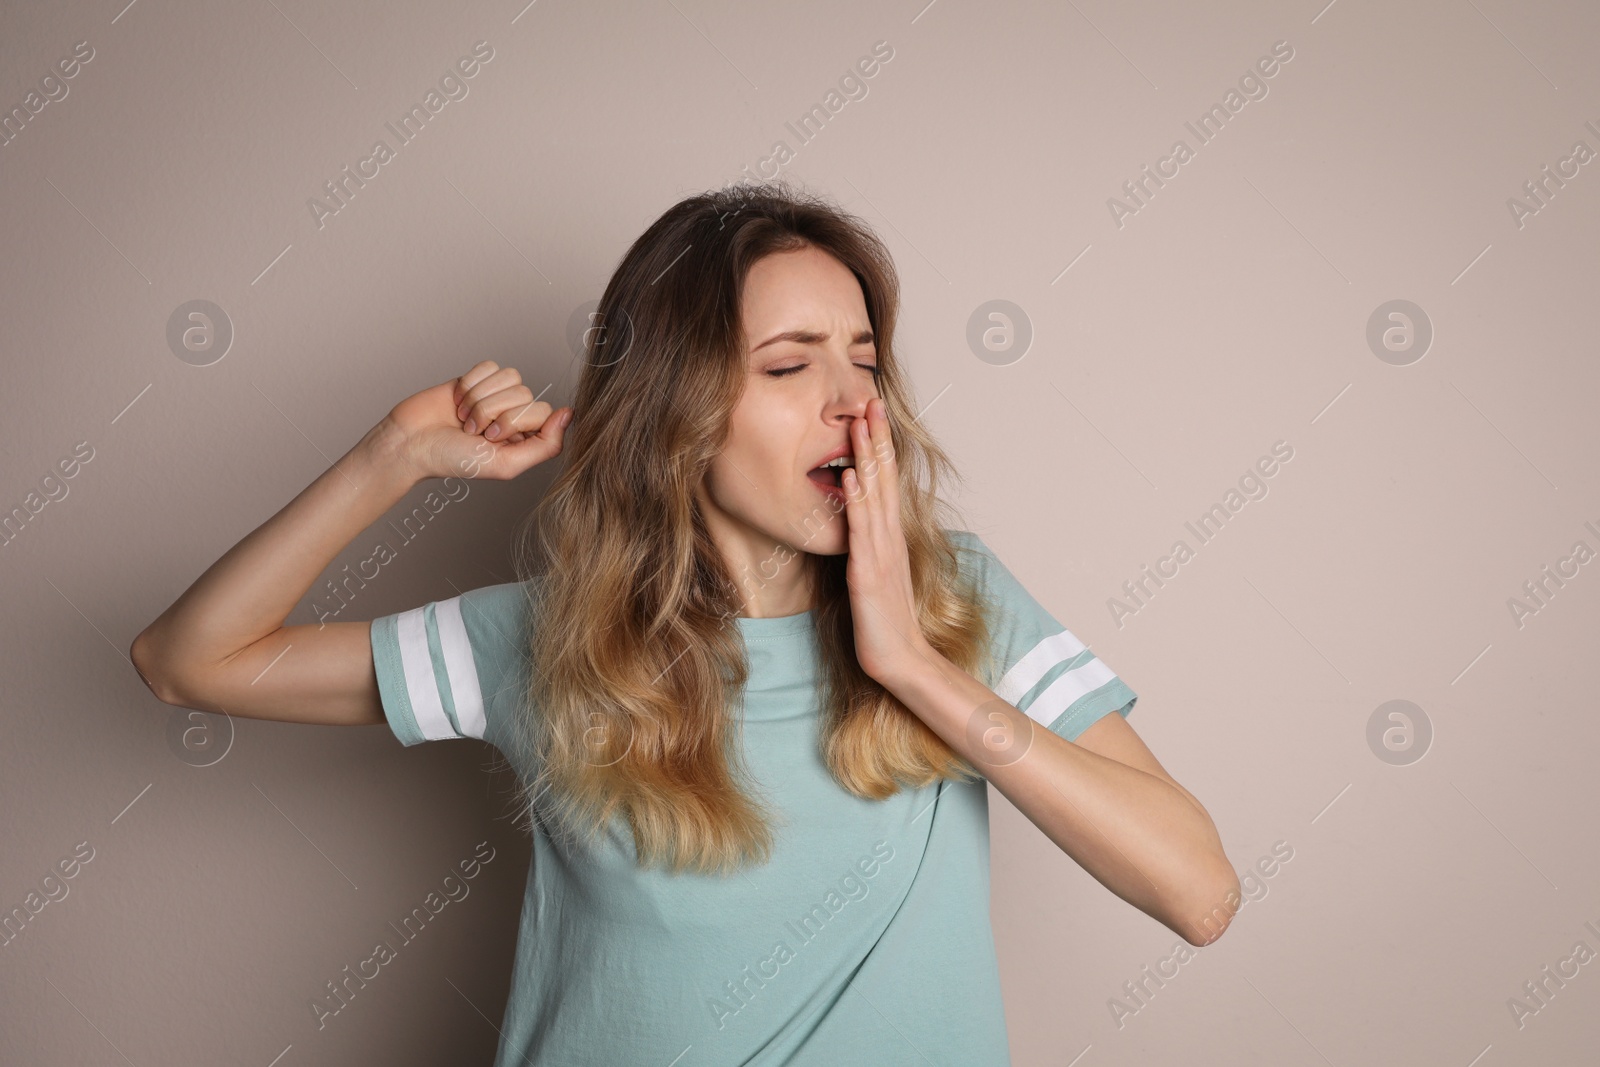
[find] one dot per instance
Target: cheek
(754, 475)
(752, 485)
(720, 485)
(749, 479)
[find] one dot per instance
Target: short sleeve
(1039, 666)
(450, 668)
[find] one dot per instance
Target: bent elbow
(147, 664)
(1212, 913)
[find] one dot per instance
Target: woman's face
(810, 372)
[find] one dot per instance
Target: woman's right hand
(445, 430)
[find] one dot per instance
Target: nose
(851, 388)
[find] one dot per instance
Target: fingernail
(493, 431)
(471, 426)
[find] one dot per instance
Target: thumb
(542, 445)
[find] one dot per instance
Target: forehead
(808, 288)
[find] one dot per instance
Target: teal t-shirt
(864, 940)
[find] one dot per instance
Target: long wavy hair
(636, 659)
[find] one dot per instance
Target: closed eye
(784, 372)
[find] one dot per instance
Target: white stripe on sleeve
(1068, 689)
(465, 691)
(1027, 671)
(422, 687)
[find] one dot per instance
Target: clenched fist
(484, 424)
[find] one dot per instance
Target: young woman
(755, 697)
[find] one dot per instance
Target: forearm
(1140, 836)
(248, 592)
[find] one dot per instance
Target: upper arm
(428, 672)
(304, 673)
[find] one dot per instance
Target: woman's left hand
(888, 640)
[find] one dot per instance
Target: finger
(866, 476)
(861, 447)
(854, 502)
(884, 468)
(478, 373)
(507, 411)
(488, 385)
(889, 467)
(880, 441)
(520, 418)
(883, 438)
(536, 447)
(857, 483)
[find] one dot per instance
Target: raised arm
(222, 645)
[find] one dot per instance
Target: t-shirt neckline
(778, 626)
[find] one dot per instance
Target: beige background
(1229, 313)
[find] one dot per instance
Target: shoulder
(442, 665)
(494, 621)
(489, 617)
(963, 539)
(972, 555)
(975, 560)
(1040, 666)
(492, 606)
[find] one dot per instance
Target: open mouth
(830, 475)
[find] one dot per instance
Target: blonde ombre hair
(636, 657)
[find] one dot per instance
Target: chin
(821, 533)
(828, 546)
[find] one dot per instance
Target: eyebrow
(811, 337)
